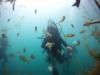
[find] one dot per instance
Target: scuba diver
(53, 44)
(3, 47)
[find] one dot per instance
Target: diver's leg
(5, 59)
(54, 67)
(55, 71)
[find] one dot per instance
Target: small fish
(35, 28)
(18, 34)
(97, 2)
(32, 56)
(72, 25)
(13, 6)
(24, 58)
(11, 55)
(96, 33)
(82, 31)
(77, 3)
(35, 11)
(8, 20)
(62, 18)
(76, 43)
(92, 52)
(91, 23)
(69, 35)
(24, 49)
(3, 35)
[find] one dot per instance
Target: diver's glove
(69, 50)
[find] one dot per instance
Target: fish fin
(76, 4)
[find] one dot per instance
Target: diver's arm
(44, 43)
(64, 43)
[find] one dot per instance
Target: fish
(83, 31)
(8, 20)
(96, 33)
(32, 56)
(91, 23)
(24, 58)
(77, 3)
(35, 11)
(24, 49)
(4, 35)
(76, 42)
(69, 35)
(62, 18)
(11, 55)
(92, 52)
(18, 34)
(13, 6)
(97, 3)
(35, 28)
(72, 25)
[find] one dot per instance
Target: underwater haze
(24, 22)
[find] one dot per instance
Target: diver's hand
(69, 48)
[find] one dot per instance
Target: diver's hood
(52, 27)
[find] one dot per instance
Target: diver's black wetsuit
(54, 53)
(3, 47)
(58, 42)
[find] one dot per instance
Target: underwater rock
(92, 52)
(69, 35)
(62, 18)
